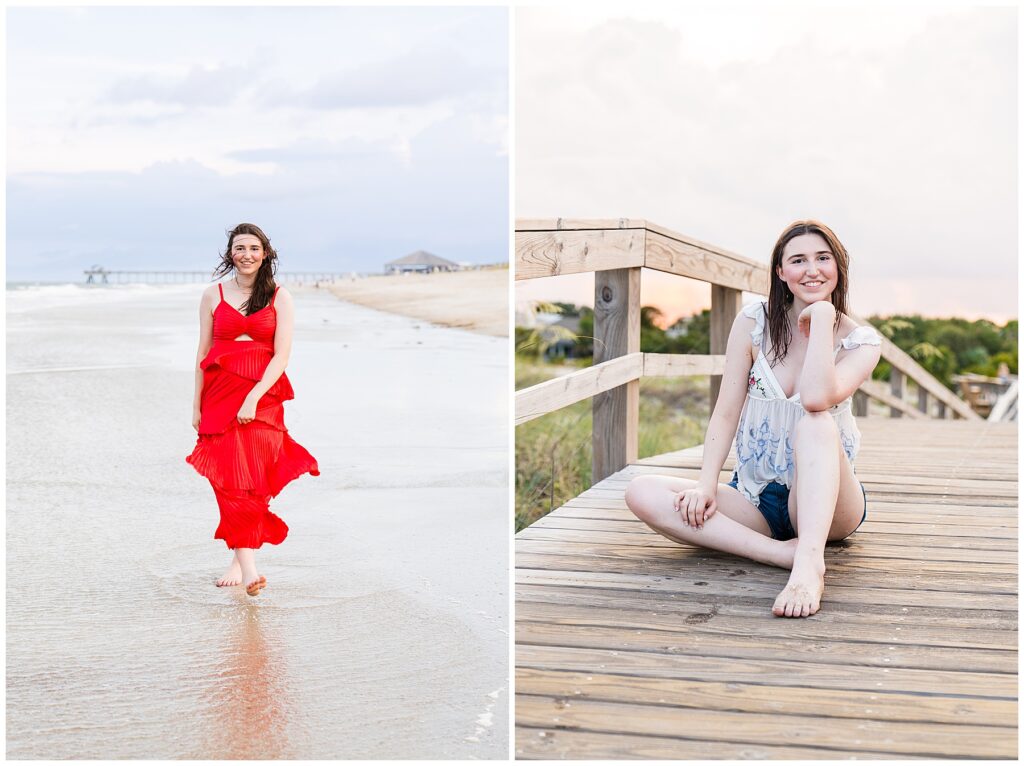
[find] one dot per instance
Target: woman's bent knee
(641, 496)
(815, 424)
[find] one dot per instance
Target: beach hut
(420, 261)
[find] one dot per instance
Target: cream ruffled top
(763, 450)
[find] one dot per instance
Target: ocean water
(383, 632)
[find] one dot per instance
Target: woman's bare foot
(802, 595)
(232, 575)
(251, 578)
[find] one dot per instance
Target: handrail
(615, 250)
(1005, 405)
(551, 395)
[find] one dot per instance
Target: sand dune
(472, 300)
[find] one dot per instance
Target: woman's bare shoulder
(211, 293)
(846, 326)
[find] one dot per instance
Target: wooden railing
(1005, 407)
(616, 250)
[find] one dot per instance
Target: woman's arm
(726, 416)
(698, 504)
(823, 381)
(285, 309)
(205, 342)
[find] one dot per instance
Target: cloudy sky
(137, 136)
(895, 126)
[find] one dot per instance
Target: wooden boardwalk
(631, 646)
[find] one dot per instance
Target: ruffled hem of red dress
(271, 529)
(256, 458)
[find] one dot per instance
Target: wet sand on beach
(474, 300)
(383, 631)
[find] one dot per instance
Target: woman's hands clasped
(696, 505)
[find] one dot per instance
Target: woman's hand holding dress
(696, 505)
(247, 412)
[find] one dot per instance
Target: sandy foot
(802, 595)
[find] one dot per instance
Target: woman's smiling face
(246, 253)
(809, 268)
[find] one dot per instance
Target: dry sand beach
(474, 300)
(383, 632)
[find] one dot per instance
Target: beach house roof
(423, 258)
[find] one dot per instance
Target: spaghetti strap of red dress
(247, 464)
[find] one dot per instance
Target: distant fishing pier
(631, 646)
(102, 276)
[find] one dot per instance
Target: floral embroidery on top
(761, 440)
(755, 382)
(849, 446)
(785, 468)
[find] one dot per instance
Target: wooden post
(942, 410)
(616, 332)
(896, 388)
(860, 404)
(922, 399)
(725, 305)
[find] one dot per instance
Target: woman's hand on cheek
(820, 310)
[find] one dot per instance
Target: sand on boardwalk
(383, 632)
(474, 300)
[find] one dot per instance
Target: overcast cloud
(137, 136)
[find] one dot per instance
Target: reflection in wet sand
(249, 698)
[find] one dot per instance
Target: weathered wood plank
(552, 743)
(693, 609)
(726, 303)
(847, 572)
(644, 616)
(682, 365)
(551, 395)
(757, 698)
(616, 333)
(695, 644)
(550, 253)
(796, 673)
(692, 584)
(578, 224)
(841, 735)
(688, 257)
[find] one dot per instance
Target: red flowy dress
(246, 464)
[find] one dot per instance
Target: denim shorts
(773, 503)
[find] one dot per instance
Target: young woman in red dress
(245, 338)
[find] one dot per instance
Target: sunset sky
(896, 126)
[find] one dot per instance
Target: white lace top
(763, 450)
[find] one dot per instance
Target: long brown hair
(779, 296)
(264, 286)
